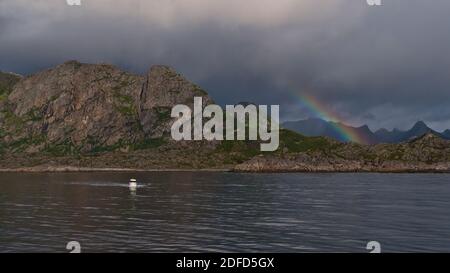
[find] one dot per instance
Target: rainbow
(322, 111)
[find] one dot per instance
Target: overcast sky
(385, 66)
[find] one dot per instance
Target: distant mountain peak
(428, 138)
(446, 134)
(421, 125)
(382, 130)
(319, 127)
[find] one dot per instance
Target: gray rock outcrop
(84, 106)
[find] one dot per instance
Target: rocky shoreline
(260, 166)
(276, 165)
(63, 169)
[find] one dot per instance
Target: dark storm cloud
(385, 66)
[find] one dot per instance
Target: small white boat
(133, 184)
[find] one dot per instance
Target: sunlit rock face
(163, 89)
(86, 106)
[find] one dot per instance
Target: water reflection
(224, 212)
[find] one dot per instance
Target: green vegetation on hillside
(7, 82)
(295, 143)
(124, 103)
(163, 113)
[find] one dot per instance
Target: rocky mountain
(77, 107)
(446, 134)
(396, 136)
(319, 127)
(311, 127)
(79, 116)
(428, 153)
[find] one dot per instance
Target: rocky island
(80, 117)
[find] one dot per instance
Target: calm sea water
(224, 212)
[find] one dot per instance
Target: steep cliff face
(163, 89)
(84, 107)
(72, 105)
